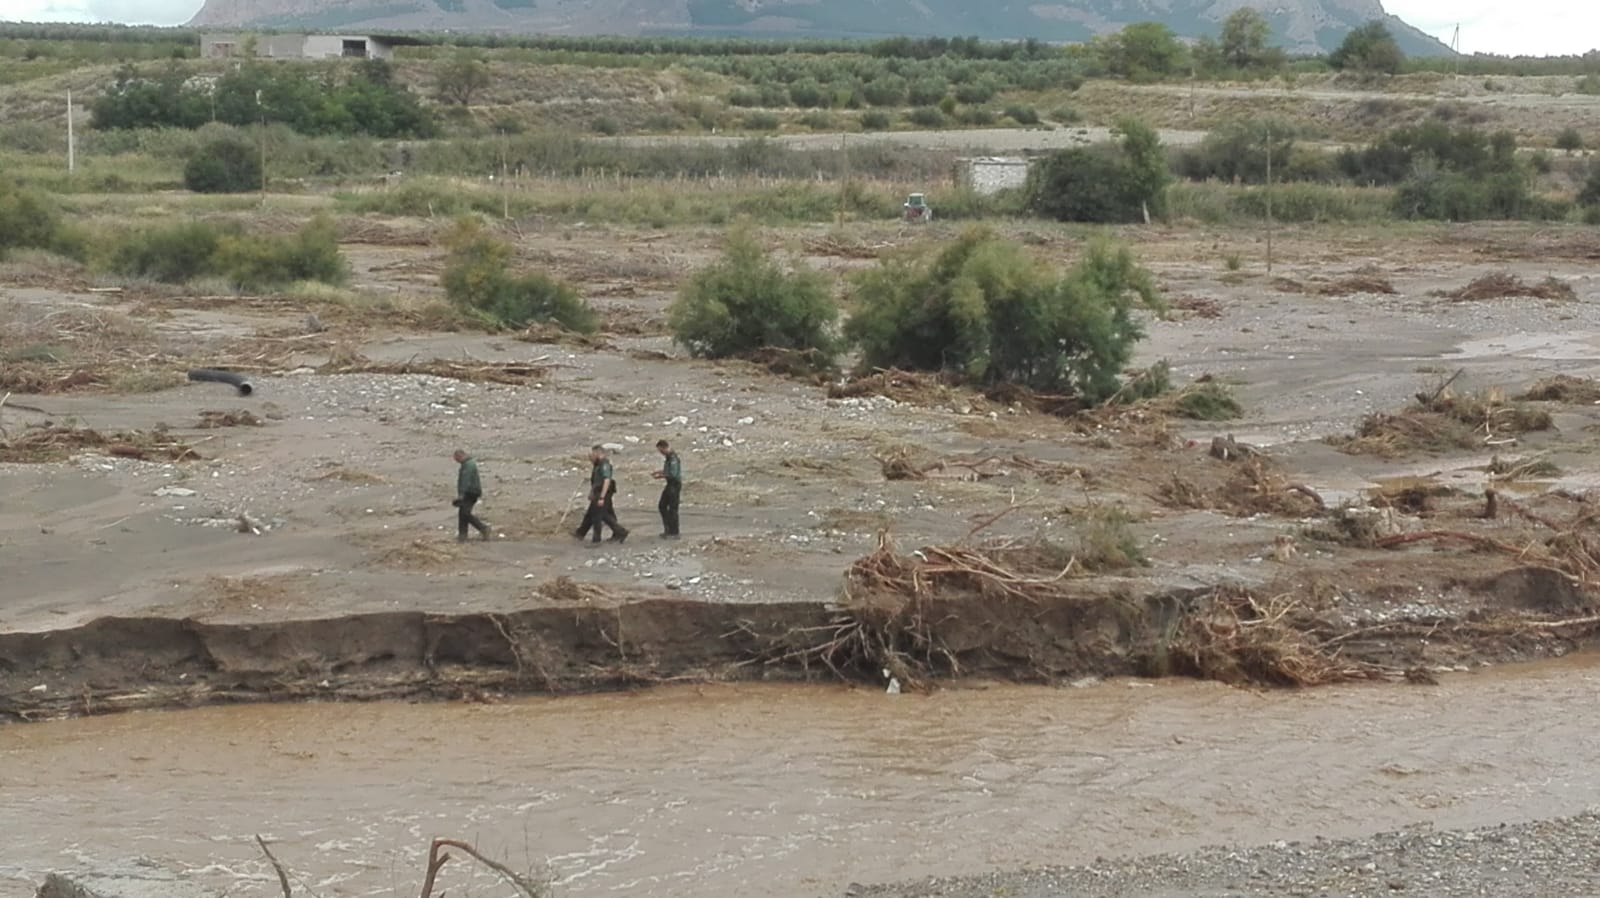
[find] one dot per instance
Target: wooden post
(1269, 198)
(72, 142)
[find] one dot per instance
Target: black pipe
(212, 375)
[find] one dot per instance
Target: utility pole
(262, 112)
(72, 142)
(1269, 198)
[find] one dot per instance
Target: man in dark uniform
(602, 487)
(672, 491)
(469, 489)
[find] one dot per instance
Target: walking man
(671, 491)
(602, 487)
(469, 489)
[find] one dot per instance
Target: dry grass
(1444, 421)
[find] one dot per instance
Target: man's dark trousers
(465, 518)
(668, 506)
(600, 514)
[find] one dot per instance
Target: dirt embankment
(116, 664)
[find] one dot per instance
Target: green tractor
(917, 209)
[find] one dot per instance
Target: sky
(1527, 27)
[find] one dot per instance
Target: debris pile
(1503, 285)
(55, 442)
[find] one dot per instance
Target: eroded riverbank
(790, 791)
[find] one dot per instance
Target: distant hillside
(1302, 26)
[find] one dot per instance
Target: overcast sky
(1534, 27)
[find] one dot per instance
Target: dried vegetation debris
(1504, 285)
(58, 442)
(1443, 420)
(1564, 388)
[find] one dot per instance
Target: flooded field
(786, 791)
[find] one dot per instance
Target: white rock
(179, 491)
(747, 420)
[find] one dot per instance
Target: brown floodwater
(785, 790)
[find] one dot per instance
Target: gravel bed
(1543, 859)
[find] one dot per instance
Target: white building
(992, 174)
(295, 46)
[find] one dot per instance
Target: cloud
(132, 12)
(1528, 27)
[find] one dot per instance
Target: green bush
(477, 279)
(984, 309)
(27, 219)
(817, 120)
(173, 254)
(745, 302)
(1120, 182)
(1569, 140)
(1589, 85)
(224, 166)
(1022, 115)
(1588, 195)
(1238, 151)
(254, 262)
(926, 117)
(876, 121)
(975, 115)
(761, 121)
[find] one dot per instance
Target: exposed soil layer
(116, 664)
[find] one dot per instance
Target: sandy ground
(349, 478)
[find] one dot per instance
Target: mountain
(1301, 26)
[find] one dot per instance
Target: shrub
(1066, 115)
(1589, 85)
(224, 166)
(1238, 151)
(1569, 140)
(761, 121)
(174, 254)
(926, 117)
(26, 218)
(875, 121)
(253, 262)
(1022, 115)
(745, 302)
(817, 120)
(477, 279)
(1106, 184)
(606, 125)
(984, 309)
(975, 115)
(1588, 195)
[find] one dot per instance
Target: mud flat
(1376, 518)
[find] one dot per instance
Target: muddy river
(786, 791)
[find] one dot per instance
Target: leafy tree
(477, 278)
(984, 309)
(745, 301)
(1143, 51)
(1243, 42)
(1369, 49)
(1237, 151)
(1111, 183)
(225, 165)
(461, 78)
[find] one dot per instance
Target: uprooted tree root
(1569, 547)
(1504, 285)
(896, 621)
(1442, 421)
(54, 442)
(1255, 485)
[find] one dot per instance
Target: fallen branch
(283, 875)
(523, 884)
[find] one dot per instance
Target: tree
(985, 310)
(745, 302)
(1243, 42)
(1569, 140)
(461, 78)
(1369, 49)
(477, 278)
(1112, 183)
(224, 166)
(1143, 51)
